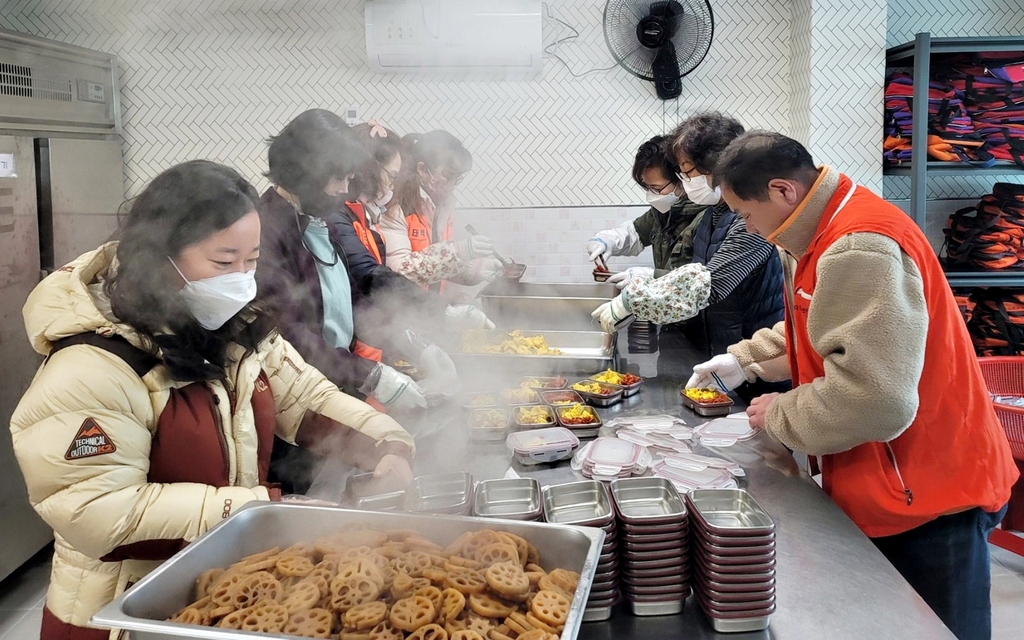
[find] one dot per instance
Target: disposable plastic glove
(622, 278)
(397, 390)
(608, 243)
(438, 366)
(726, 366)
(481, 270)
(474, 247)
(465, 317)
(396, 465)
(612, 313)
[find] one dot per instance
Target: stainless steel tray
(729, 512)
(597, 399)
(590, 426)
(525, 425)
(657, 608)
(584, 351)
(707, 410)
(365, 492)
(258, 526)
(442, 493)
(652, 501)
(513, 498)
(564, 307)
(585, 503)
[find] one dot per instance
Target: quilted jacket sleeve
(100, 502)
(437, 262)
(314, 413)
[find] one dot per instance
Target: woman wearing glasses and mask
(418, 226)
(733, 286)
(667, 227)
(373, 187)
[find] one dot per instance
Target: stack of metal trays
(587, 503)
(734, 556)
(654, 545)
(442, 493)
(642, 337)
(510, 498)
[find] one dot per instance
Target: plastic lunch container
(612, 457)
(538, 446)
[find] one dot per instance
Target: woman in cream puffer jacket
(144, 427)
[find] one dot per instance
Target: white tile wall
(551, 241)
(213, 79)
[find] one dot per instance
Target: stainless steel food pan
(442, 493)
(363, 491)
(669, 607)
(258, 526)
(564, 307)
(585, 502)
(583, 351)
(513, 498)
(729, 512)
(652, 501)
(705, 409)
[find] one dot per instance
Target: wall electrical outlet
(352, 116)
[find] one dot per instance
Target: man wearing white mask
(668, 225)
(733, 286)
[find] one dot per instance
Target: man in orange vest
(887, 388)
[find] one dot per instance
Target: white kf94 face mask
(214, 301)
(661, 202)
(699, 190)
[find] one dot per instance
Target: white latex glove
(439, 368)
(612, 313)
(397, 390)
(474, 247)
(608, 243)
(465, 317)
(622, 278)
(396, 465)
(726, 366)
(481, 270)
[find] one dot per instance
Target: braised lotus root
(361, 584)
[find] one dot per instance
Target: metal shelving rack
(919, 53)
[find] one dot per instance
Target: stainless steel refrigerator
(61, 184)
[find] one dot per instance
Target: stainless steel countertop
(831, 581)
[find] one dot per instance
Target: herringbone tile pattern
(214, 78)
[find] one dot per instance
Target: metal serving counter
(831, 581)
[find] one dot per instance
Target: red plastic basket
(1004, 376)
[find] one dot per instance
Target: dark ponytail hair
(438, 150)
(183, 205)
(656, 152)
(382, 144)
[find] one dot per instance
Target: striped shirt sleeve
(740, 255)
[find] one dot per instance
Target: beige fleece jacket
(867, 320)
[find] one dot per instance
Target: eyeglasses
(452, 178)
(655, 188)
(684, 175)
(390, 177)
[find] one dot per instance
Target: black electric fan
(659, 41)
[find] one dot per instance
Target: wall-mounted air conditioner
(419, 36)
(51, 88)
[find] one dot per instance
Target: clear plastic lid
(708, 478)
(613, 452)
(536, 441)
(737, 428)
